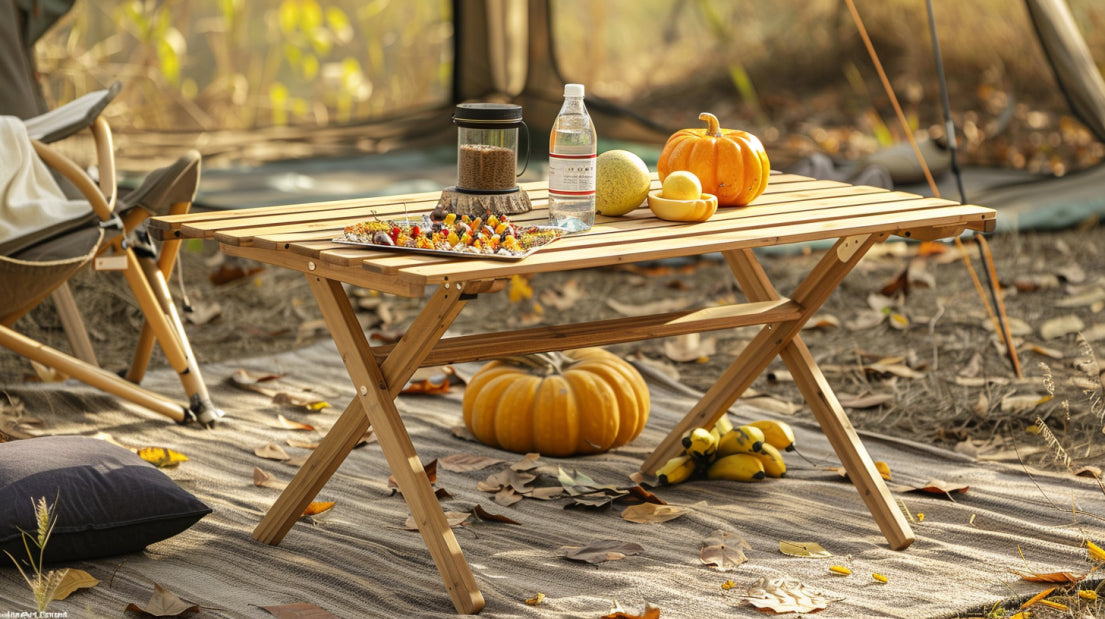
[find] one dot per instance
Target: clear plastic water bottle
(572, 150)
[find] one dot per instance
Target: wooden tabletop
(793, 209)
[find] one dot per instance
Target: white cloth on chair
(32, 205)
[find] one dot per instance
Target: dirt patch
(921, 362)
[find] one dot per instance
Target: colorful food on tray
(494, 236)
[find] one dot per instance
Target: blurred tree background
(794, 72)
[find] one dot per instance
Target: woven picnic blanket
(358, 559)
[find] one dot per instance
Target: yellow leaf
(317, 507)
(1036, 598)
(1096, 553)
(727, 585)
(1088, 594)
(74, 579)
(162, 457)
(803, 549)
(535, 600)
(880, 578)
(839, 569)
(519, 289)
(883, 469)
(1055, 605)
(920, 517)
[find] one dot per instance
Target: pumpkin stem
(713, 127)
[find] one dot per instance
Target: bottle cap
(573, 90)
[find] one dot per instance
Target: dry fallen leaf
(1052, 577)
(886, 367)
(803, 549)
(645, 309)
(870, 400)
(938, 486)
(299, 610)
(48, 374)
(598, 552)
(265, 480)
(689, 347)
(722, 550)
(272, 451)
(164, 603)
(880, 466)
(1060, 326)
(563, 297)
(507, 497)
(479, 512)
(536, 600)
(1088, 470)
(773, 405)
(317, 507)
(462, 463)
(301, 444)
(651, 612)
(288, 424)
(822, 321)
(72, 580)
(453, 518)
(648, 513)
(162, 457)
(1020, 403)
(786, 596)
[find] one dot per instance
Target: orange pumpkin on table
(731, 164)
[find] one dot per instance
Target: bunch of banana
(749, 452)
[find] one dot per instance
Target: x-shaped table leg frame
(782, 339)
(377, 386)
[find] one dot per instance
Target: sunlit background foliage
(794, 71)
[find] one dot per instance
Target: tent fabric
(1074, 67)
(359, 560)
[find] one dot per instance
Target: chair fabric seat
(37, 270)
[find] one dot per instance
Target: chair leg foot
(203, 411)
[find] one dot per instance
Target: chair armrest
(74, 174)
(72, 117)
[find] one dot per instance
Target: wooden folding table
(794, 209)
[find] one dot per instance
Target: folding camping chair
(46, 238)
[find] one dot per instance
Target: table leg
(829, 413)
(769, 342)
(782, 339)
(377, 386)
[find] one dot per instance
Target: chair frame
(145, 273)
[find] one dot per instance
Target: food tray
(502, 254)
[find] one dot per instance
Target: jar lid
(487, 115)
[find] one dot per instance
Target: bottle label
(572, 175)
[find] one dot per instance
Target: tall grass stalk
(43, 584)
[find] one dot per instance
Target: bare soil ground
(906, 341)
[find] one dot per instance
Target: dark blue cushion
(109, 501)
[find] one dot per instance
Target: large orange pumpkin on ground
(557, 404)
(731, 164)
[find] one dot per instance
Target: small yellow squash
(682, 210)
(557, 404)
